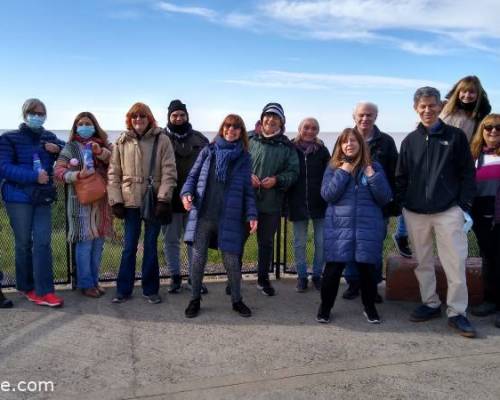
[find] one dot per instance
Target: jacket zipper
(355, 216)
(307, 186)
(427, 169)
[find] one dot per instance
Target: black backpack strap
(153, 160)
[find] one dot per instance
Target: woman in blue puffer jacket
(355, 190)
(220, 199)
(27, 157)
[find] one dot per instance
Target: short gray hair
(30, 104)
(365, 103)
(426, 91)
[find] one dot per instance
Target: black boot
(4, 302)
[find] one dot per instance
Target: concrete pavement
(92, 349)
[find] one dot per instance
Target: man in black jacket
(435, 184)
(187, 145)
(383, 150)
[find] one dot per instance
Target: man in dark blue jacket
(435, 185)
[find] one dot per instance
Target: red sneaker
(51, 300)
(31, 296)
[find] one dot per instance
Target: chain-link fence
(389, 245)
(63, 254)
(64, 270)
(60, 249)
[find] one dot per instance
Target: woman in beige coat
(127, 182)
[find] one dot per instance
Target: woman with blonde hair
(485, 148)
(90, 223)
(356, 190)
(142, 146)
(467, 105)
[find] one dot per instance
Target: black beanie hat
(177, 105)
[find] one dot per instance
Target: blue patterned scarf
(225, 152)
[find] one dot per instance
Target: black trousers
(331, 281)
(488, 239)
(266, 228)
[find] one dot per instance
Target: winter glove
(118, 210)
(163, 212)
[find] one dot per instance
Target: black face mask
(180, 129)
(466, 106)
(347, 159)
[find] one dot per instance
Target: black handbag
(149, 200)
(43, 195)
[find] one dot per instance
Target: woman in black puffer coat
(305, 202)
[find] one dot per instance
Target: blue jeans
(401, 227)
(88, 254)
(150, 268)
(32, 227)
(351, 273)
(299, 247)
(173, 233)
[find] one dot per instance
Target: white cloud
(314, 81)
(197, 11)
(448, 23)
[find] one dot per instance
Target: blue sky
(317, 58)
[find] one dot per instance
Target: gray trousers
(204, 229)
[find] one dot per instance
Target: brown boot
(91, 292)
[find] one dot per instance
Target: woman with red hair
(128, 174)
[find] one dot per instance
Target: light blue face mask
(35, 121)
(85, 131)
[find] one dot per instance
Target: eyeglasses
(141, 116)
(489, 128)
(38, 114)
(234, 125)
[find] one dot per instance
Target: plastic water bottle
(37, 164)
(88, 158)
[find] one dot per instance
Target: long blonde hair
(362, 159)
(482, 107)
(477, 143)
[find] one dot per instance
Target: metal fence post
(277, 253)
(70, 247)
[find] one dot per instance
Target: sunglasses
(141, 116)
(38, 114)
(229, 125)
(489, 128)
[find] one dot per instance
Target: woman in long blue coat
(220, 199)
(356, 190)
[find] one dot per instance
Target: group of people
(445, 180)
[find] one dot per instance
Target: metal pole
(70, 247)
(278, 251)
